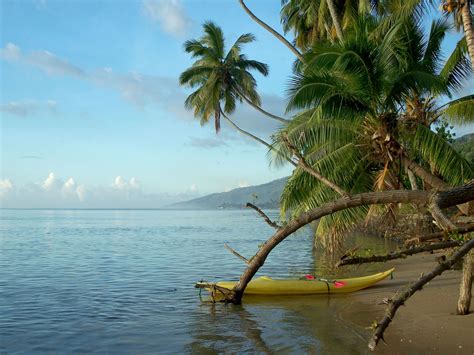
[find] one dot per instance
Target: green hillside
(465, 146)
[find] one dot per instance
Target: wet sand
(427, 323)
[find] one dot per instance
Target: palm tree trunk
(272, 31)
(335, 18)
(425, 175)
(261, 110)
(301, 162)
(468, 30)
(432, 180)
(248, 134)
(464, 301)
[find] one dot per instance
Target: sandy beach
(427, 323)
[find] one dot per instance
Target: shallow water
(121, 281)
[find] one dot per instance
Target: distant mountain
(268, 195)
(465, 146)
(265, 196)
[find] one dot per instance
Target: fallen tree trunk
(438, 235)
(396, 255)
(400, 299)
(443, 199)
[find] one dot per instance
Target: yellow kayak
(267, 286)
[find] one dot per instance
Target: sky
(92, 115)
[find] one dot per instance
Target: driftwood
(396, 254)
(400, 298)
(443, 199)
(439, 235)
(263, 215)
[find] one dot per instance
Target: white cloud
(135, 88)
(121, 184)
(29, 107)
(69, 187)
(5, 187)
(169, 14)
(43, 60)
(53, 192)
(243, 183)
(81, 192)
(11, 52)
(206, 143)
(69, 184)
(50, 182)
(134, 184)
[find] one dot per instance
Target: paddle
(337, 284)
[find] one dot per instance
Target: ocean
(121, 281)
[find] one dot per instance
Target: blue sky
(92, 115)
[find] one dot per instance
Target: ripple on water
(122, 281)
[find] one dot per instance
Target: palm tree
(312, 20)
(461, 13)
(221, 79)
(360, 102)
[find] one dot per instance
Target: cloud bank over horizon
(57, 192)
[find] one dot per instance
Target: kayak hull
(267, 286)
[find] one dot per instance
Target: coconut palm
(311, 20)
(220, 78)
(360, 102)
(460, 11)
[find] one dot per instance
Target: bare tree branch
(396, 255)
(400, 299)
(263, 215)
(244, 259)
(445, 199)
(439, 235)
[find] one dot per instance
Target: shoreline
(427, 322)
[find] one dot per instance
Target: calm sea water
(121, 281)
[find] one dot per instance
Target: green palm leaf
(460, 111)
(441, 156)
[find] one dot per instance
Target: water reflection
(122, 282)
(265, 324)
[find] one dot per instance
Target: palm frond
(460, 111)
(441, 156)
(432, 54)
(458, 66)
(214, 38)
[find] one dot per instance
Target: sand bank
(427, 323)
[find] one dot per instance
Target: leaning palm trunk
(272, 31)
(244, 132)
(301, 162)
(432, 180)
(335, 18)
(261, 110)
(468, 30)
(464, 301)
